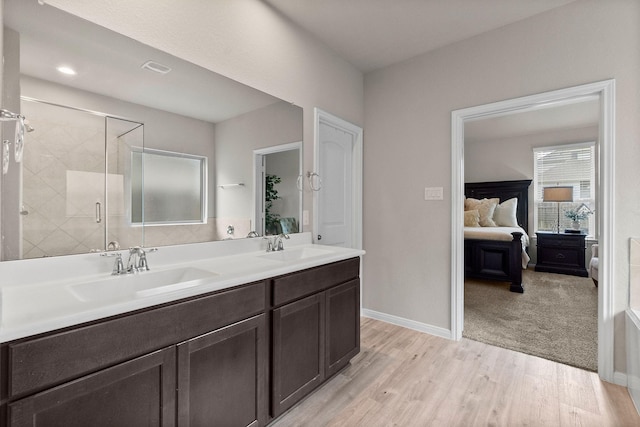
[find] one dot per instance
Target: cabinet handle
(559, 256)
(98, 213)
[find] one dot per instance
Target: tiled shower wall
(55, 221)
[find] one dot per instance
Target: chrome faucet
(276, 244)
(137, 261)
(137, 257)
(118, 266)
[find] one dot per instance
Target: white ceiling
(109, 64)
(373, 34)
(368, 33)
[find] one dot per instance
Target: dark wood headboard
(504, 190)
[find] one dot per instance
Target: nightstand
(561, 253)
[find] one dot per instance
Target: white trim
(605, 90)
(620, 378)
(321, 116)
(570, 145)
(407, 323)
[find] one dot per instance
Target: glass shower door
(62, 188)
(122, 136)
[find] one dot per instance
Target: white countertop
(43, 296)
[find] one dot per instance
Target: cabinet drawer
(559, 256)
(561, 242)
(39, 363)
(134, 393)
(297, 285)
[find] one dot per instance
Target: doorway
(338, 188)
(605, 92)
(277, 196)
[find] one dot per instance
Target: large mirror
(95, 136)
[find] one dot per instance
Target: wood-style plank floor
(406, 378)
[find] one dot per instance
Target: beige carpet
(556, 317)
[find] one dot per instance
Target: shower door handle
(98, 212)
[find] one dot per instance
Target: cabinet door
(222, 376)
(343, 325)
(298, 351)
(135, 393)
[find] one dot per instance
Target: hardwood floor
(407, 378)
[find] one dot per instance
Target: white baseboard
(407, 323)
(620, 378)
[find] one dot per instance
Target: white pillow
(485, 207)
(472, 218)
(505, 213)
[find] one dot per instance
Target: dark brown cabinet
(125, 371)
(222, 377)
(236, 357)
(342, 326)
(315, 336)
(562, 253)
(134, 393)
(298, 351)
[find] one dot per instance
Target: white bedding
(499, 233)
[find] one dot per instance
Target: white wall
(408, 131)
(245, 40)
(512, 157)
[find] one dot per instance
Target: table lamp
(557, 194)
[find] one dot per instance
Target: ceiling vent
(156, 67)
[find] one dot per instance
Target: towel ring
(310, 176)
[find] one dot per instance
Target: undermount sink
(296, 254)
(142, 284)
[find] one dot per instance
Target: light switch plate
(433, 193)
(305, 217)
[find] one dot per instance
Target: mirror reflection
(74, 189)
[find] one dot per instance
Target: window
(168, 188)
(571, 165)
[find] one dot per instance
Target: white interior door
(338, 203)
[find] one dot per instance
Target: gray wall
(236, 138)
(408, 131)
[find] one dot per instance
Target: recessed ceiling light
(67, 70)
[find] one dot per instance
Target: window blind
(571, 165)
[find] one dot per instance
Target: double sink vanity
(221, 334)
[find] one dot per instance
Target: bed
(493, 254)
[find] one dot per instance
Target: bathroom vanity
(239, 355)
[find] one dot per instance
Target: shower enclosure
(72, 191)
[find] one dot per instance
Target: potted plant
(271, 220)
(577, 215)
